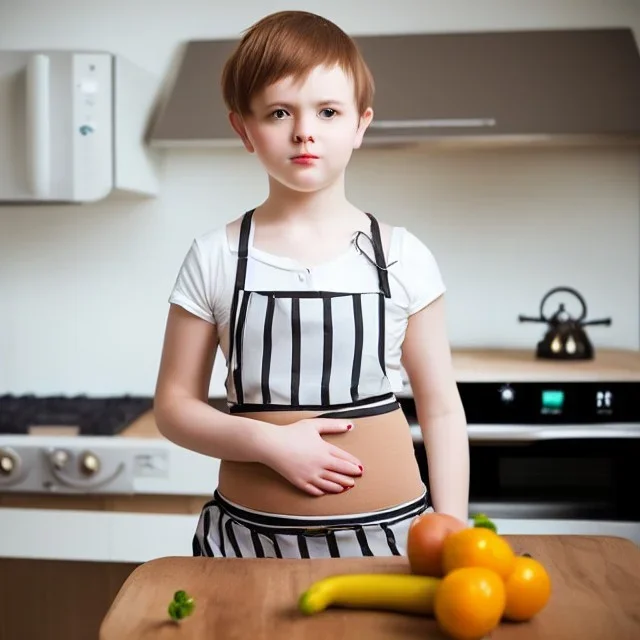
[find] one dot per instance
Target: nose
(302, 130)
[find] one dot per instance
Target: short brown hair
(291, 44)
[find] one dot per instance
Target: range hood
(519, 87)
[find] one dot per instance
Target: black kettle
(566, 338)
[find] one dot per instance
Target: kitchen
(85, 286)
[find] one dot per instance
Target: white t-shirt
(205, 282)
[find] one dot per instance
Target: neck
(287, 205)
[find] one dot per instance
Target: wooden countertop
(142, 427)
(595, 595)
(516, 365)
(145, 425)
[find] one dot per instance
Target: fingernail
(360, 467)
(349, 427)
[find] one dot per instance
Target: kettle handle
(606, 321)
(522, 318)
(573, 292)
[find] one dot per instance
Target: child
(314, 305)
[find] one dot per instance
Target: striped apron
(229, 530)
(318, 351)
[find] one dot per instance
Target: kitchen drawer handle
(434, 123)
(539, 433)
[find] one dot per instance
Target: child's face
(317, 116)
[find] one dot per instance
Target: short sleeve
(190, 290)
(423, 280)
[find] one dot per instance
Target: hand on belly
(381, 444)
(300, 454)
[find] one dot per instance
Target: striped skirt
(229, 530)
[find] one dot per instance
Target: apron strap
(241, 274)
(378, 252)
(243, 249)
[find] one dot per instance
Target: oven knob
(89, 463)
(59, 458)
(8, 463)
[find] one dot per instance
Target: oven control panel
(551, 403)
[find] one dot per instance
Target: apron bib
(309, 350)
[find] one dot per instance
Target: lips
(305, 156)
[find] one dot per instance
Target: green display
(552, 399)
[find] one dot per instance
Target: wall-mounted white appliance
(72, 127)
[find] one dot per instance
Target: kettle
(566, 338)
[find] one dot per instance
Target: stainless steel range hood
(578, 86)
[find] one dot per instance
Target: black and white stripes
(226, 530)
(358, 324)
(267, 342)
(308, 351)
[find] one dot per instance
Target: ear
(365, 121)
(239, 127)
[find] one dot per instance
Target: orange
(478, 547)
(469, 602)
(528, 589)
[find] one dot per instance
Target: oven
(93, 473)
(551, 457)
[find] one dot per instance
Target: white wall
(83, 290)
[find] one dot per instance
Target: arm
(426, 357)
(181, 407)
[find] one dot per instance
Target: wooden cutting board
(596, 595)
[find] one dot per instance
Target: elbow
(162, 414)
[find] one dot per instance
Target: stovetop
(92, 416)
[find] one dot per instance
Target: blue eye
(329, 113)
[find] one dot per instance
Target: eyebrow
(285, 105)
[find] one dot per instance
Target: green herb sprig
(480, 520)
(181, 606)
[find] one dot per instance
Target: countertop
(521, 365)
(595, 595)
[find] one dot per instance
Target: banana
(404, 593)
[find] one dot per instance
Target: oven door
(553, 479)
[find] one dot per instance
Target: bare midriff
(383, 445)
